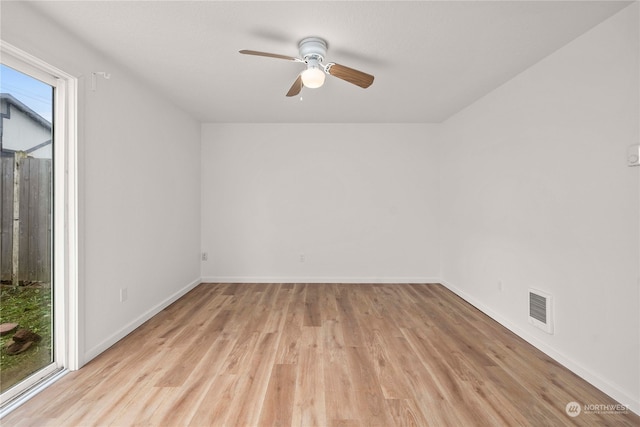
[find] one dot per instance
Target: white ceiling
(430, 59)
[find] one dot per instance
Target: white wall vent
(540, 310)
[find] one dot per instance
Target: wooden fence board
(6, 211)
(35, 219)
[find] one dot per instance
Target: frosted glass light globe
(313, 77)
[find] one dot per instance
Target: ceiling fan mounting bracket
(313, 48)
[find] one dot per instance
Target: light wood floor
(318, 355)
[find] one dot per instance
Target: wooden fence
(35, 220)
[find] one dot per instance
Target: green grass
(30, 307)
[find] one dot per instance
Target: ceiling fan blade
(350, 75)
(270, 55)
(296, 87)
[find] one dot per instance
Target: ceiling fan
(312, 53)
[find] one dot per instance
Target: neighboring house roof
(11, 100)
(6, 100)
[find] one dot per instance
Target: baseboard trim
(316, 279)
(567, 362)
(131, 326)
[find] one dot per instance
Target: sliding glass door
(27, 288)
(34, 243)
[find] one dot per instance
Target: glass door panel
(26, 256)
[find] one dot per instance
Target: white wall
(536, 193)
(359, 201)
(139, 181)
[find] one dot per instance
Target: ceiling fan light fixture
(313, 77)
(312, 53)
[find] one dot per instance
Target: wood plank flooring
(318, 355)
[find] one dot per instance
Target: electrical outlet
(302, 258)
(500, 288)
(123, 294)
(205, 256)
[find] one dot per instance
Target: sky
(33, 93)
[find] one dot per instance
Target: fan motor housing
(313, 47)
